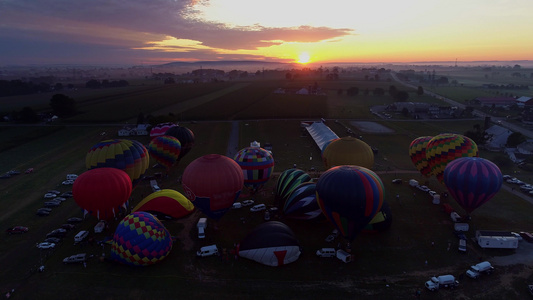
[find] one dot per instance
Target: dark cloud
(104, 29)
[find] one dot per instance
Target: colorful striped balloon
(302, 203)
(161, 129)
(472, 181)
(257, 165)
(444, 148)
(288, 180)
(350, 196)
(417, 153)
(165, 150)
(127, 155)
(140, 240)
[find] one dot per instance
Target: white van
(344, 256)
(207, 251)
(81, 236)
(201, 225)
(326, 252)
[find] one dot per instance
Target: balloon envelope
(127, 155)
(140, 240)
(348, 151)
(472, 181)
(165, 150)
(444, 148)
(161, 129)
(350, 196)
(102, 191)
(213, 182)
(381, 221)
(272, 243)
(168, 202)
(417, 153)
(185, 136)
(302, 203)
(288, 180)
(257, 165)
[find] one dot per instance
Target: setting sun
(304, 58)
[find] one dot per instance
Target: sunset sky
(160, 31)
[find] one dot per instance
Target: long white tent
(320, 133)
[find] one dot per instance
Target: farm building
(496, 101)
(140, 129)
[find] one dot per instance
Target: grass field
(395, 258)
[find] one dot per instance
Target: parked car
(47, 209)
(76, 258)
(46, 245)
(54, 192)
(4, 176)
(42, 212)
(60, 232)
(54, 240)
(74, 220)
(68, 227)
(28, 171)
(247, 202)
(60, 199)
(66, 195)
(49, 195)
(258, 207)
(67, 182)
(52, 203)
(422, 188)
(17, 230)
(397, 181)
(13, 172)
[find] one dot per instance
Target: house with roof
(494, 101)
(521, 101)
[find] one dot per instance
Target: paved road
(233, 141)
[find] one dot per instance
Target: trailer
(496, 239)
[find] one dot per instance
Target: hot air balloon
(161, 129)
(257, 166)
(165, 150)
(140, 240)
(348, 151)
(167, 202)
(381, 221)
(326, 144)
(302, 203)
(472, 181)
(185, 136)
(102, 191)
(213, 182)
(288, 180)
(417, 153)
(444, 148)
(350, 196)
(272, 243)
(127, 155)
